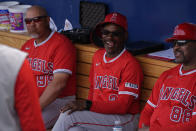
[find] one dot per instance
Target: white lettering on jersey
(113, 97)
(46, 69)
(41, 65)
(176, 114)
(182, 96)
(160, 94)
(180, 114)
(192, 102)
(176, 94)
(105, 82)
(109, 82)
(50, 67)
(131, 85)
(167, 93)
(43, 81)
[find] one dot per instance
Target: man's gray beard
(34, 35)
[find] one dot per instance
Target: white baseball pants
(91, 121)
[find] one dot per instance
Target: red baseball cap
(184, 31)
(115, 18)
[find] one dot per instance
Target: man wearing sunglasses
(172, 104)
(53, 61)
(115, 79)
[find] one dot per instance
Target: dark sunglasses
(115, 33)
(34, 19)
(181, 42)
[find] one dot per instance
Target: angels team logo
(44, 69)
(109, 82)
(114, 16)
(179, 31)
(41, 65)
(182, 96)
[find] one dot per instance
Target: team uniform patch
(131, 85)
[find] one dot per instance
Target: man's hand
(77, 105)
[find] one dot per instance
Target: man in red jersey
(20, 109)
(171, 105)
(52, 58)
(115, 79)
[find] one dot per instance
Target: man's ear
(48, 19)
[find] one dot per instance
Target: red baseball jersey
(55, 54)
(172, 102)
(27, 102)
(115, 83)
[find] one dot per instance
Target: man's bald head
(38, 10)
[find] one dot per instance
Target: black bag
(90, 15)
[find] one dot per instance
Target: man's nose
(111, 34)
(32, 22)
(176, 47)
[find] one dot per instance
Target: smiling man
(171, 105)
(115, 78)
